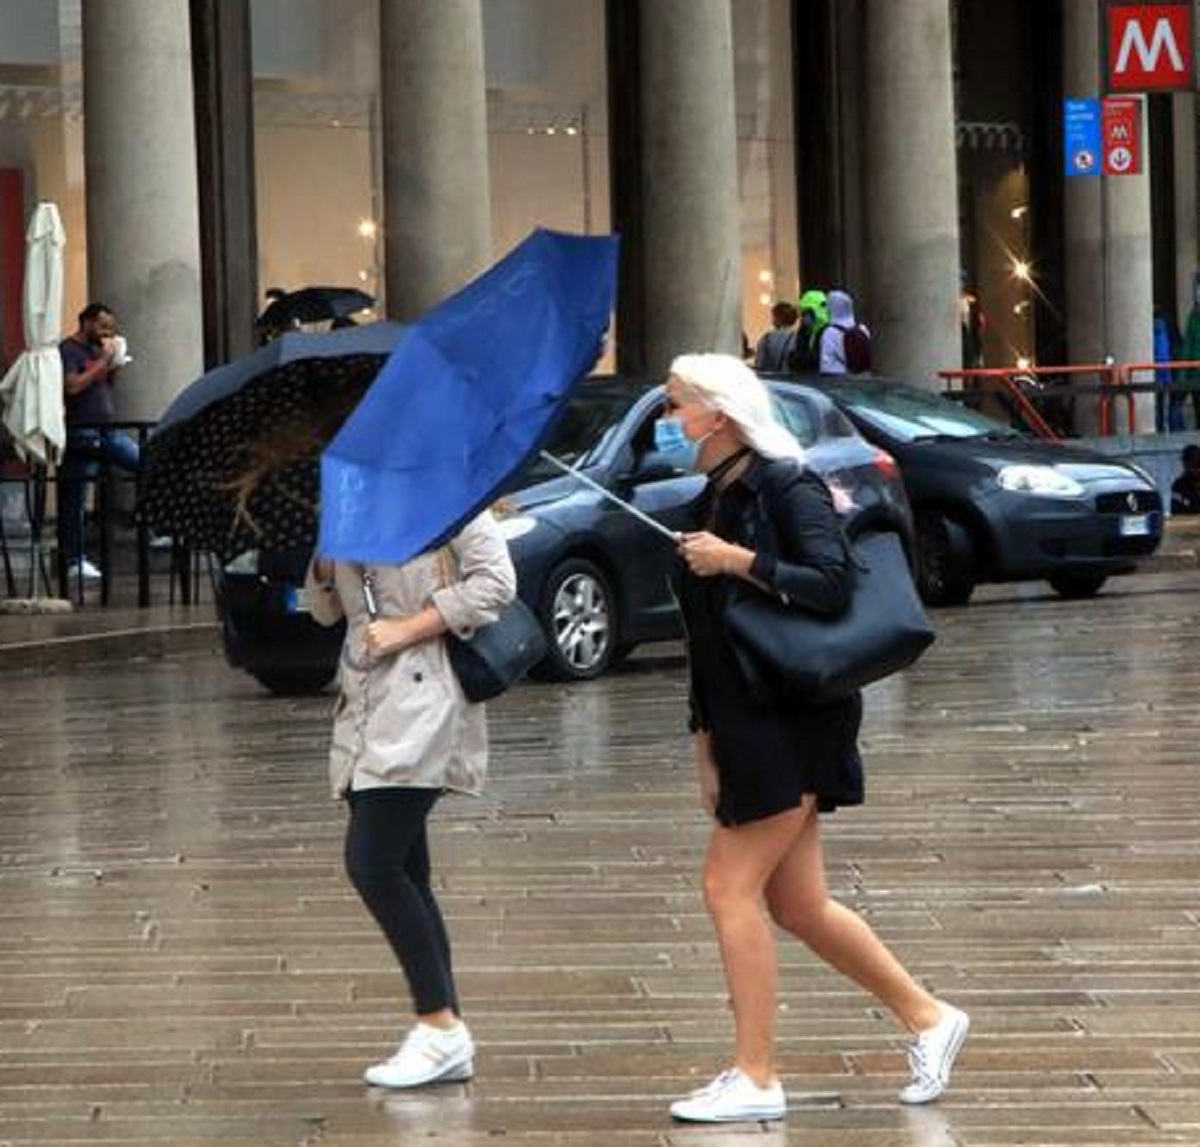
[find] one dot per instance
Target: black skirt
(767, 759)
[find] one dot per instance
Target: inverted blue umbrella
(465, 399)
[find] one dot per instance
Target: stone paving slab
(181, 961)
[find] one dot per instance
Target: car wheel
(293, 682)
(1077, 587)
(945, 564)
(579, 615)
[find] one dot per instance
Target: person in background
(1189, 350)
(845, 344)
(971, 325)
(1168, 405)
(805, 355)
(766, 772)
(1185, 490)
(771, 354)
(91, 357)
(403, 735)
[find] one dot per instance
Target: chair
(32, 480)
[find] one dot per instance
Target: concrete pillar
(1187, 239)
(1109, 279)
(436, 203)
(911, 185)
(142, 215)
(691, 212)
(224, 93)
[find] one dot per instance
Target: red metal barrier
(1149, 372)
(1116, 382)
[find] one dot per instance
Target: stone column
(1187, 241)
(911, 196)
(690, 208)
(436, 203)
(140, 171)
(1083, 248)
(224, 94)
(1108, 249)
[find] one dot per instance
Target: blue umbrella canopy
(465, 399)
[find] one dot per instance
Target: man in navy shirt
(90, 361)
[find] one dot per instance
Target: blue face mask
(670, 439)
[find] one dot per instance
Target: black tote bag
(786, 652)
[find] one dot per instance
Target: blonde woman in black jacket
(766, 773)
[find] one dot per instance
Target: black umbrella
(313, 305)
(232, 464)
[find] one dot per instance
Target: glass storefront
(316, 88)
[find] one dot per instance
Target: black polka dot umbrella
(233, 464)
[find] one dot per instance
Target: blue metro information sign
(1082, 143)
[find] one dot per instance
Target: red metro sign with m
(1150, 47)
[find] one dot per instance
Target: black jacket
(785, 514)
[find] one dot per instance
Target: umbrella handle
(671, 535)
(369, 598)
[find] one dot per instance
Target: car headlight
(516, 526)
(1044, 480)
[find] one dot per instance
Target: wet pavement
(182, 962)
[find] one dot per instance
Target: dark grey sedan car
(597, 577)
(993, 504)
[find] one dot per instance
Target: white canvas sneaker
(931, 1056)
(732, 1098)
(427, 1055)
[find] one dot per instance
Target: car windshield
(592, 414)
(808, 419)
(914, 415)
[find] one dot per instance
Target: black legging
(387, 859)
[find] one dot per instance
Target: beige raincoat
(401, 719)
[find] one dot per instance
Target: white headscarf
(727, 384)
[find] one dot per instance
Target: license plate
(1134, 525)
(296, 599)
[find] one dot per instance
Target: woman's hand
(392, 634)
(387, 635)
(706, 772)
(707, 555)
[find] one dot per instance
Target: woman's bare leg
(739, 864)
(798, 900)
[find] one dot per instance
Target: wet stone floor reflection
(182, 962)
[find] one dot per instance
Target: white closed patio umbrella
(31, 393)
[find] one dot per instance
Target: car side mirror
(654, 466)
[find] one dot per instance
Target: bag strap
(768, 519)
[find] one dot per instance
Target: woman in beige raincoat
(404, 734)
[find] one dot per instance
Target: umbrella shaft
(601, 490)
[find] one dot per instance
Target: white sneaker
(931, 1056)
(732, 1098)
(427, 1055)
(86, 570)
